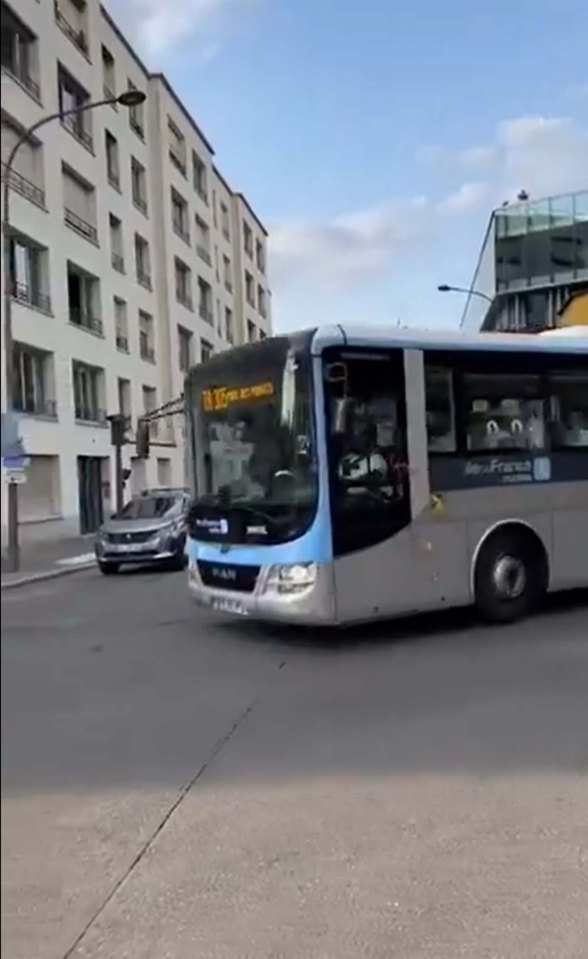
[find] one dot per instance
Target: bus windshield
(254, 446)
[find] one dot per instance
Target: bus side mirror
(341, 415)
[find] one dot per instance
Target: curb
(47, 574)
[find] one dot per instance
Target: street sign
(11, 442)
(18, 462)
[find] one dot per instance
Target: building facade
(131, 259)
(533, 259)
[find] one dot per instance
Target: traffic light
(142, 439)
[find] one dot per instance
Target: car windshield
(150, 507)
(255, 454)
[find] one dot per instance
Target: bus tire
(109, 569)
(511, 575)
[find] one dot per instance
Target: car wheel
(510, 577)
(109, 569)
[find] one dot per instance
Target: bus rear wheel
(510, 576)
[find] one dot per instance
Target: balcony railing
(148, 353)
(141, 204)
(181, 231)
(18, 73)
(206, 314)
(185, 299)
(109, 94)
(113, 179)
(249, 251)
(26, 188)
(144, 279)
(177, 160)
(201, 193)
(81, 226)
(136, 126)
(90, 414)
(36, 406)
(30, 296)
(74, 125)
(226, 233)
(228, 286)
(77, 37)
(204, 254)
(118, 262)
(122, 343)
(85, 320)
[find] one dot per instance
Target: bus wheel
(511, 575)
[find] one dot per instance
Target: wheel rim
(509, 577)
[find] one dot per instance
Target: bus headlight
(294, 578)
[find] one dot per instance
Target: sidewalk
(45, 560)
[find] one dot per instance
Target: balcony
(90, 414)
(74, 126)
(148, 353)
(114, 180)
(136, 126)
(20, 75)
(177, 160)
(122, 343)
(77, 37)
(185, 299)
(118, 262)
(144, 279)
(31, 297)
(205, 313)
(26, 188)
(204, 254)
(201, 192)
(141, 204)
(34, 406)
(109, 94)
(81, 226)
(85, 320)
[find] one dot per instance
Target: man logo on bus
(542, 469)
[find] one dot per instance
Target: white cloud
(469, 197)
(543, 155)
(160, 27)
(479, 158)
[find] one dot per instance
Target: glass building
(534, 257)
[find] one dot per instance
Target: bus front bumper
(309, 604)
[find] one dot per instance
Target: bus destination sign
(221, 398)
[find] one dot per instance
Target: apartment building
(131, 259)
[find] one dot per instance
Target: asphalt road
(179, 789)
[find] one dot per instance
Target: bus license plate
(225, 605)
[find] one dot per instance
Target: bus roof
(381, 336)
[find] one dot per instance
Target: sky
(374, 137)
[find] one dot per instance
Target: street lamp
(130, 98)
(444, 288)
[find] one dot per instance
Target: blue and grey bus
(341, 474)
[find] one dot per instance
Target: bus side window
(569, 410)
(440, 410)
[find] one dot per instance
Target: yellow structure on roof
(575, 310)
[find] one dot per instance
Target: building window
(260, 256)
(261, 301)
(121, 325)
(33, 370)
(183, 277)
(248, 239)
(116, 244)
(26, 174)
(203, 240)
(136, 115)
(227, 274)
(29, 270)
(142, 261)
(199, 177)
(124, 398)
(569, 410)
(177, 146)
(440, 413)
(251, 331)
(72, 17)
(84, 299)
(504, 412)
(206, 351)
(108, 75)
(79, 205)
(205, 307)
(139, 185)
(249, 289)
(229, 325)
(180, 216)
(185, 339)
(19, 53)
(225, 226)
(72, 96)
(149, 406)
(88, 386)
(112, 164)
(146, 337)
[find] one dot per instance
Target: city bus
(340, 475)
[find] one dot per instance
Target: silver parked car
(151, 529)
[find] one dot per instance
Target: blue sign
(18, 462)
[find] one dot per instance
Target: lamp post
(130, 98)
(444, 288)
